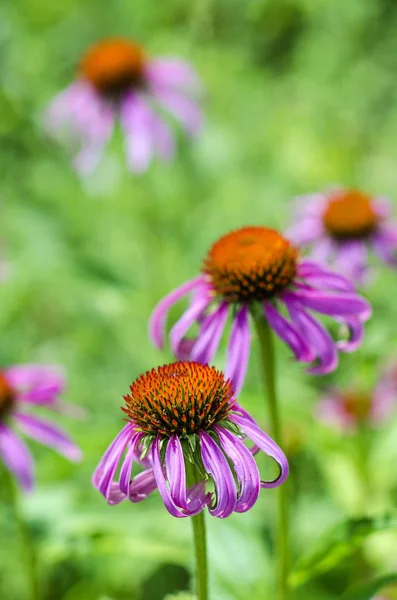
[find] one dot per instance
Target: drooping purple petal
(324, 250)
(115, 495)
(132, 455)
(191, 499)
(48, 434)
(331, 303)
(318, 338)
(210, 335)
(288, 332)
(147, 133)
(183, 109)
(309, 229)
(142, 485)
(245, 467)
(159, 315)
(36, 384)
(266, 444)
(139, 489)
(173, 72)
(355, 334)
(384, 242)
(317, 276)
(169, 503)
(188, 318)
(351, 259)
(238, 349)
(216, 465)
(196, 495)
(175, 467)
(16, 457)
(163, 138)
(104, 473)
(81, 116)
(137, 123)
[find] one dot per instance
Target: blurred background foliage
(300, 94)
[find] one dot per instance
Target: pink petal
(48, 434)
(16, 457)
(159, 314)
(238, 350)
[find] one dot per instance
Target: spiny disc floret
(350, 214)
(181, 398)
(252, 263)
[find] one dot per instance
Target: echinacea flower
(185, 426)
(347, 409)
(37, 386)
(341, 225)
(256, 267)
(118, 81)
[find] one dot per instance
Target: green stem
(199, 537)
(200, 547)
(268, 361)
(363, 439)
(24, 534)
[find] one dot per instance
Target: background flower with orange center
(347, 409)
(256, 269)
(340, 226)
(118, 81)
(185, 426)
(37, 386)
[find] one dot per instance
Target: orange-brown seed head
(113, 66)
(7, 397)
(252, 263)
(350, 214)
(180, 398)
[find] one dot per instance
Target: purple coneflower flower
(34, 385)
(341, 225)
(117, 81)
(346, 410)
(257, 267)
(186, 427)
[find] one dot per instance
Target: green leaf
(339, 544)
(146, 444)
(367, 590)
(232, 427)
(192, 440)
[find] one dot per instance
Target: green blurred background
(300, 94)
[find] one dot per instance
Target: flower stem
(200, 546)
(25, 538)
(269, 373)
(199, 537)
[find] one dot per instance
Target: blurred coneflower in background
(341, 226)
(117, 81)
(36, 386)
